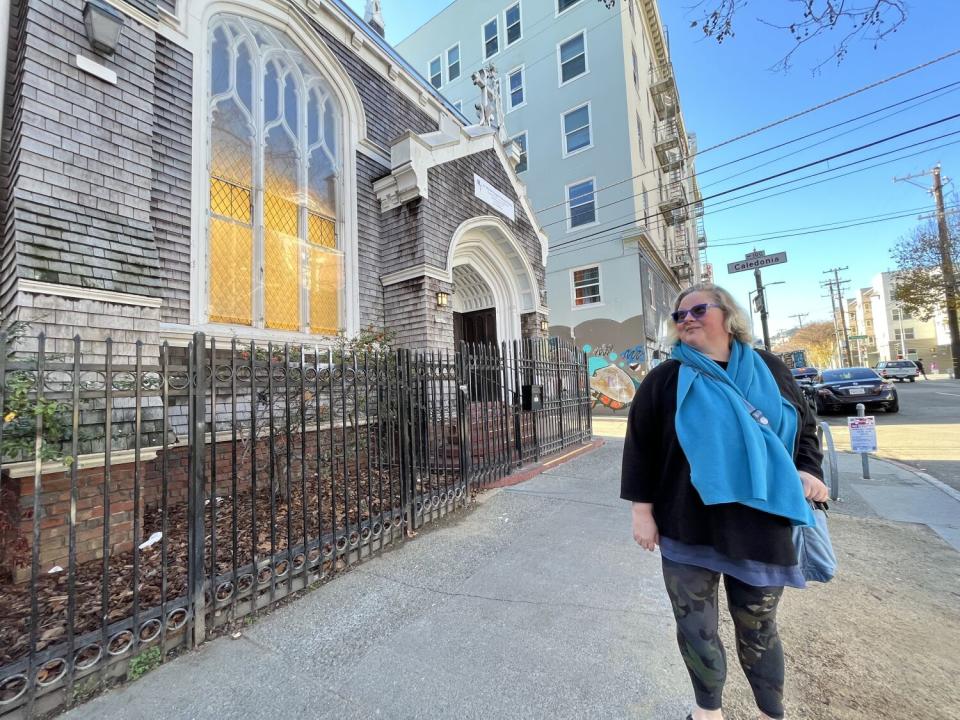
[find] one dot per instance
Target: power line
(770, 233)
(788, 142)
(804, 166)
(798, 168)
(952, 87)
(835, 100)
(659, 224)
(869, 220)
(611, 231)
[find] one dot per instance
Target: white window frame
(636, 68)
(557, 12)
(506, 28)
(563, 129)
(566, 199)
(351, 132)
(483, 37)
(586, 59)
(523, 87)
(526, 151)
(439, 60)
(573, 287)
(446, 58)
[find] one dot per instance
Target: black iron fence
(153, 493)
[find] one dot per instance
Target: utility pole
(843, 313)
(799, 317)
(836, 328)
(946, 265)
(763, 309)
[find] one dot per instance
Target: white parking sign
(863, 434)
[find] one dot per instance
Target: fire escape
(670, 147)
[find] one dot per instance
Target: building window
(453, 63)
(275, 182)
(573, 58)
(515, 89)
(491, 39)
(511, 18)
(898, 315)
(633, 20)
(563, 5)
(458, 104)
(580, 197)
(521, 141)
(907, 333)
(436, 76)
(636, 70)
(586, 286)
(576, 130)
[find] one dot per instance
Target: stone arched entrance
(493, 282)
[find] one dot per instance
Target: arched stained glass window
(274, 256)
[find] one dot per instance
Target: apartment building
(590, 98)
(890, 331)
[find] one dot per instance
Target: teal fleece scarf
(732, 456)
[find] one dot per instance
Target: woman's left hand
(813, 487)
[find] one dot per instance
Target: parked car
(898, 370)
(804, 373)
(842, 389)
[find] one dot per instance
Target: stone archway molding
(487, 244)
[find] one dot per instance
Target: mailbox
(531, 397)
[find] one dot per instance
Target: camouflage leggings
(693, 594)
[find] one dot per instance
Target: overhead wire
(605, 234)
(783, 120)
(789, 171)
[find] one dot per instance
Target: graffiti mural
(618, 358)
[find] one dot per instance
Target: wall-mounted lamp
(544, 326)
(103, 24)
(443, 299)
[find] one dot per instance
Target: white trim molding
(73, 292)
(416, 271)
(412, 156)
(489, 247)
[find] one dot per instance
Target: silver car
(898, 370)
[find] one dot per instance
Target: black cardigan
(655, 470)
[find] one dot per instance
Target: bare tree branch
(872, 21)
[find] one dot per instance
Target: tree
(817, 338)
(920, 284)
(871, 20)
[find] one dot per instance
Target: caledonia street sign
(752, 263)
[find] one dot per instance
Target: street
(925, 433)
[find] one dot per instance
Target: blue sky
(728, 89)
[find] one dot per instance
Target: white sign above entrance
(493, 197)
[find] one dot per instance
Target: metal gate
(519, 403)
(218, 478)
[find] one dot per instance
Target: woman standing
(721, 455)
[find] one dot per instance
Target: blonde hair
(734, 317)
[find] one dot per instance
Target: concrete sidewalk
(897, 492)
(534, 604)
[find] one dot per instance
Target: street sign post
(863, 437)
(756, 262)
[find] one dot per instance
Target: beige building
(890, 332)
